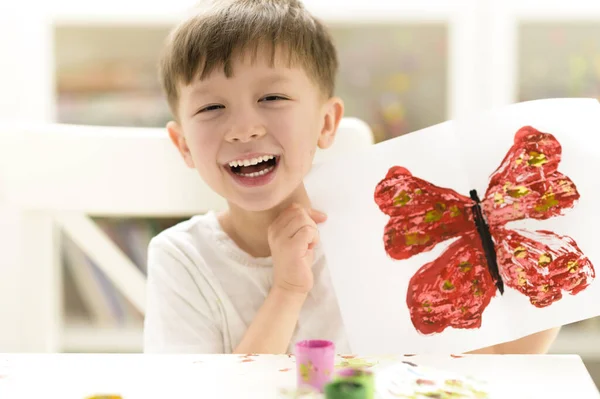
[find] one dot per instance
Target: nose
(244, 132)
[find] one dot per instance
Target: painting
(468, 233)
(454, 289)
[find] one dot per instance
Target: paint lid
(344, 389)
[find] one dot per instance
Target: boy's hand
(292, 237)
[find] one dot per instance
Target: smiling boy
(250, 83)
(251, 86)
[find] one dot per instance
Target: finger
(285, 217)
(314, 242)
(306, 236)
(302, 215)
(317, 216)
(305, 240)
(299, 221)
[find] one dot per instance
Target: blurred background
(405, 65)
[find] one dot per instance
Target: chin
(259, 204)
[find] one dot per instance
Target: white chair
(56, 176)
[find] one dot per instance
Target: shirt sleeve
(179, 318)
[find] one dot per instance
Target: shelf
(81, 337)
(385, 84)
(558, 60)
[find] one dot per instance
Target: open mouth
(254, 167)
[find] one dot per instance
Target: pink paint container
(315, 361)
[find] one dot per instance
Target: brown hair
(224, 28)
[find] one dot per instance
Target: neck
(248, 229)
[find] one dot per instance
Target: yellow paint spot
(572, 266)
(544, 260)
(520, 252)
(498, 198)
(519, 160)
(402, 198)
(521, 280)
(465, 266)
(305, 370)
(427, 306)
(548, 201)
(454, 211)
(518, 192)
(537, 159)
(433, 216)
(448, 285)
(415, 239)
(476, 289)
(565, 186)
(418, 191)
(356, 363)
(544, 288)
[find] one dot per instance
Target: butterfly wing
(453, 290)
(421, 214)
(542, 264)
(527, 184)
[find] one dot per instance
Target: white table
(76, 376)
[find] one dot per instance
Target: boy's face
(252, 137)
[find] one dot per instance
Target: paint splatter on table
(77, 376)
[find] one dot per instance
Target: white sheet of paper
(371, 287)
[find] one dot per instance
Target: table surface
(137, 376)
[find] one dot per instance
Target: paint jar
(359, 375)
(344, 389)
(314, 363)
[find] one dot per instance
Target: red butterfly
(454, 290)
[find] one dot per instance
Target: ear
(334, 111)
(177, 138)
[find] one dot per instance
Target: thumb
(317, 216)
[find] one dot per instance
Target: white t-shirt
(203, 292)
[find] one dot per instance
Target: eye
(273, 97)
(212, 107)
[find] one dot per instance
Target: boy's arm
(272, 328)
(538, 343)
(292, 237)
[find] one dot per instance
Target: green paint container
(344, 389)
(359, 375)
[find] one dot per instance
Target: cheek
(203, 148)
(301, 149)
(298, 128)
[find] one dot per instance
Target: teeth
(253, 161)
(256, 174)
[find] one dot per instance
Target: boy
(250, 84)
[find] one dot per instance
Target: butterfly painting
(485, 256)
